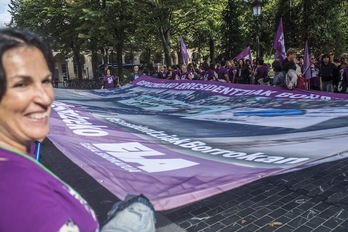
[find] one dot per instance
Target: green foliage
(322, 23)
(209, 27)
(231, 29)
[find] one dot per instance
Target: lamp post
(256, 13)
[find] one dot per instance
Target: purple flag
(185, 55)
(245, 54)
(307, 63)
(278, 42)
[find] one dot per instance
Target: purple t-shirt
(202, 74)
(184, 76)
(175, 73)
(262, 72)
(221, 73)
(230, 72)
(315, 78)
(210, 75)
(32, 199)
(109, 82)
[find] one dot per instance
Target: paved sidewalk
(314, 199)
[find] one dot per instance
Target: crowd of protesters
(326, 73)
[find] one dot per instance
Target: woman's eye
(47, 81)
(20, 85)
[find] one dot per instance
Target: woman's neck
(14, 145)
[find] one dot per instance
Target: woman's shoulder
(17, 166)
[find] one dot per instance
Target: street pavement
(313, 199)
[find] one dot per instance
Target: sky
(4, 14)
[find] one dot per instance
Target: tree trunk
(306, 22)
(95, 64)
(165, 38)
(78, 62)
(119, 50)
(211, 49)
(148, 56)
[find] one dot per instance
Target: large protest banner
(181, 141)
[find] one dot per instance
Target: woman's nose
(44, 94)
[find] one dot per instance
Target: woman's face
(26, 106)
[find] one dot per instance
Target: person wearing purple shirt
(174, 73)
(261, 72)
(231, 71)
(31, 197)
(184, 74)
(135, 74)
(209, 72)
(223, 72)
(109, 81)
(62, 208)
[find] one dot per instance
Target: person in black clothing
(242, 74)
(161, 72)
(339, 78)
(291, 54)
(327, 70)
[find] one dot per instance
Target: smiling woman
(26, 92)
(27, 189)
(26, 103)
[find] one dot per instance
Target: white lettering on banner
(192, 144)
(230, 91)
(269, 159)
(134, 152)
(156, 85)
(202, 147)
(234, 154)
(302, 96)
(77, 123)
(253, 156)
(109, 158)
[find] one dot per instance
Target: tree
(209, 27)
(170, 19)
(206, 33)
(316, 21)
(91, 29)
(51, 20)
(120, 21)
(231, 29)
